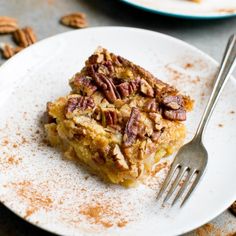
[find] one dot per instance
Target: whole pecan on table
(24, 37)
(7, 25)
(132, 127)
(74, 20)
(8, 50)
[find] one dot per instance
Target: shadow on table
(12, 225)
(131, 16)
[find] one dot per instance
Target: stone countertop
(209, 36)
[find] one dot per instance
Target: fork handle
(225, 70)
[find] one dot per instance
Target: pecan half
(107, 86)
(81, 103)
(177, 115)
(132, 127)
(8, 50)
(7, 25)
(146, 88)
(119, 158)
(128, 88)
(110, 117)
(74, 20)
(24, 37)
(173, 102)
(83, 85)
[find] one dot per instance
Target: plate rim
(145, 31)
(179, 15)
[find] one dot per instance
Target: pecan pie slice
(119, 120)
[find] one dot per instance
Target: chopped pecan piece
(151, 105)
(107, 87)
(96, 58)
(99, 159)
(83, 85)
(128, 88)
(132, 127)
(119, 158)
(97, 114)
(154, 116)
(7, 25)
(146, 88)
(81, 103)
(24, 37)
(110, 117)
(177, 115)
(173, 102)
(156, 135)
(142, 150)
(75, 20)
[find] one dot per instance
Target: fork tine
(195, 182)
(183, 188)
(176, 182)
(168, 179)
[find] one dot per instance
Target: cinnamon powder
(34, 199)
(103, 214)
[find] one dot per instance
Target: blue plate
(179, 14)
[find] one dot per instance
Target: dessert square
(119, 120)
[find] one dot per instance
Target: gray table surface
(43, 15)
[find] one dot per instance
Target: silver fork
(191, 159)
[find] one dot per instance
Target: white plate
(207, 9)
(55, 194)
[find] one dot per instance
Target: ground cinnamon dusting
(12, 160)
(232, 10)
(5, 142)
(23, 140)
(188, 65)
(122, 223)
(34, 199)
(103, 214)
